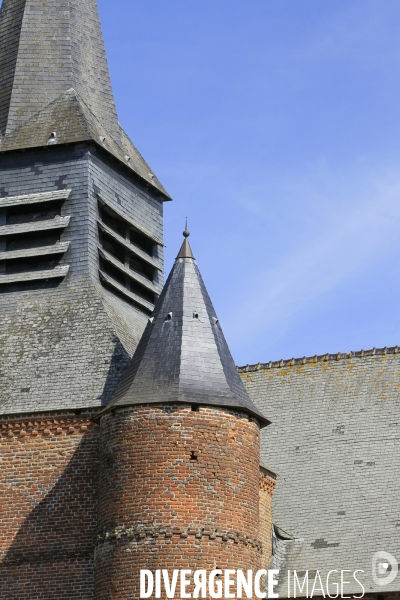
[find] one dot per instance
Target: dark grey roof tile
(183, 355)
(336, 424)
(38, 69)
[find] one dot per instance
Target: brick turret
(179, 450)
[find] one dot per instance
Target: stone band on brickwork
(142, 533)
(44, 557)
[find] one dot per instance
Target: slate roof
(54, 78)
(336, 425)
(183, 355)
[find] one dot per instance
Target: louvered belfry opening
(56, 95)
(31, 246)
(129, 262)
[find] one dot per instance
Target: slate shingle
(336, 423)
(47, 49)
(183, 355)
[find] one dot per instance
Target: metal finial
(186, 233)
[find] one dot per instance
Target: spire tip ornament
(186, 233)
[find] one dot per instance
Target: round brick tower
(179, 450)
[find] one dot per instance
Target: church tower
(81, 267)
(81, 214)
(179, 450)
(108, 464)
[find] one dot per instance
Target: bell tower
(179, 450)
(81, 215)
(127, 439)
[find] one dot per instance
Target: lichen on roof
(291, 362)
(56, 88)
(335, 422)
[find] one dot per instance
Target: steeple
(55, 85)
(183, 355)
(185, 251)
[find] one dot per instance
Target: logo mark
(384, 568)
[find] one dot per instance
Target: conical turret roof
(54, 78)
(183, 355)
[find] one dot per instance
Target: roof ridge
(291, 362)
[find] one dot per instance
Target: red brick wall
(179, 489)
(267, 488)
(48, 509)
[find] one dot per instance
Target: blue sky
(274, 125)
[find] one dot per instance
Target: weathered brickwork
(267, 488)
(179, 488)
(48, 509)
(87, 500)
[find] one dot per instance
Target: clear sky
(274, 125)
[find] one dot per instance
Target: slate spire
(54, 78)
(183, 355)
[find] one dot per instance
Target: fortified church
(128, 437)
